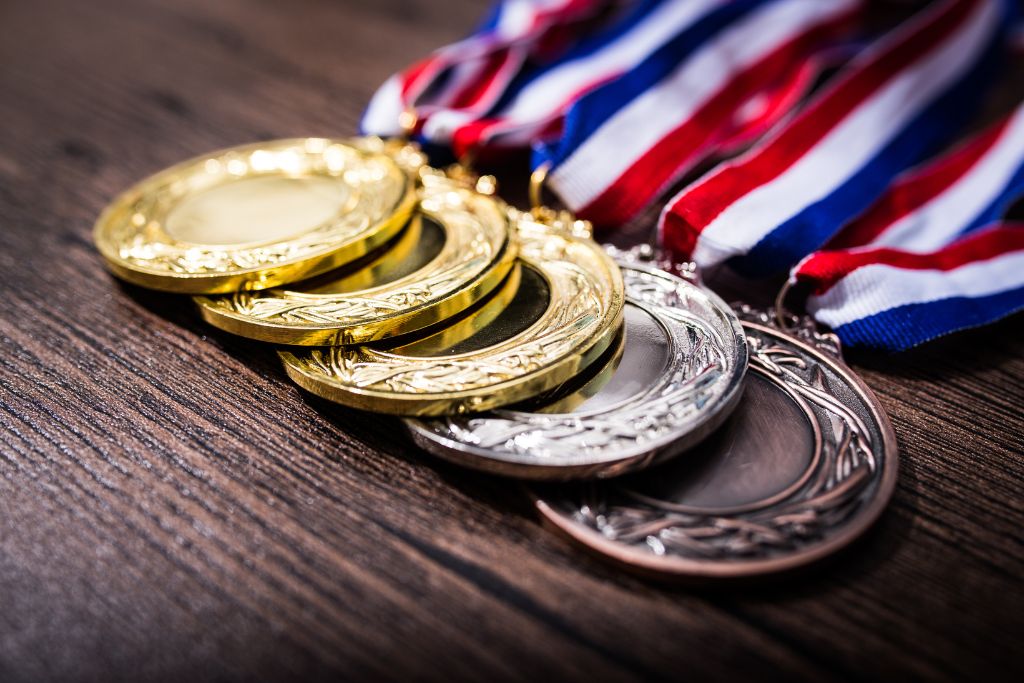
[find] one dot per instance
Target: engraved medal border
(130, 236)
(697, 391)
(476, 256)
(842, 493)
(581, 320)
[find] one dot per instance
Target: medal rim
(649, 453)
(492, 229)
(517, 386)
(389, 223)
(677, 568)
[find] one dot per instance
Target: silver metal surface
(806, 464)
(680, 375)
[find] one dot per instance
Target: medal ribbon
(474, 72)
(930, 256)
(891, 106)
(625, 142)
(536, 102)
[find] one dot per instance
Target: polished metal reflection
(579, 318)
(256, 210)
(527, 297)
(644, 361)
(748, 463)
(569, 396)
(806, 464)
(454, 250)
(258, 216)
(680, 375)
(418, 244)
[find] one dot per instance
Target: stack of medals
(512, 343)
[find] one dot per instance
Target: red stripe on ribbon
(710, 125)
(698, 206)
(824, 269)
(917, 188)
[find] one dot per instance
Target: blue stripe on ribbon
(490, 21)
(997, 208)
(589, 113)
(903, 327)
(584, 48)
(809, 229)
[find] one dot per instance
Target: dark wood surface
(172, 508)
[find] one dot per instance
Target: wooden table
(173, 508)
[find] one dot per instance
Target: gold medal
(453, 252)
(566, 310)
(259, 215)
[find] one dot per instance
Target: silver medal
(805, 465)
(679, 376)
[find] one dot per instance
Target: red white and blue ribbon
(622, 112)
(894, 104)
(893, 299)
(535, 103)
(625, 142)
(474, 73)
(969, 187)
(930, 256)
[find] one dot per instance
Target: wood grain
(172, 508)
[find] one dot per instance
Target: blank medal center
(257, 210)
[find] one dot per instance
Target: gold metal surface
(259, 215)
(579, 390)
(581, 318)
(476, 254)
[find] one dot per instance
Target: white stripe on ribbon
(546, 97)
(875, 288)
(849, 146)
(639, 126)
(385, 109)
(937, 222)
(516, 22)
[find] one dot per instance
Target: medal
(781, 513)
(716, 445)
(455, 251)
(805, 465)
(680, 376)
(580, 295)
(256, 216)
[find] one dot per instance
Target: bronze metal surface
(805, 465)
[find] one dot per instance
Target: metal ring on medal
(579, 320)
(474, 257)
(259, 215)
(805, 465)
(684, 360)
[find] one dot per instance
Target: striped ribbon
(894, 104)
(663, 60)
(893, 299)
(472, 74)
(730, 72)
(933, 254)
(620, 113)
(533, 107)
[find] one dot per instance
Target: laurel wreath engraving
(542, 435)
(377, 190)
(585, 304)
(692, 380)
(567, 325)
(829, 497)
(475, 232)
